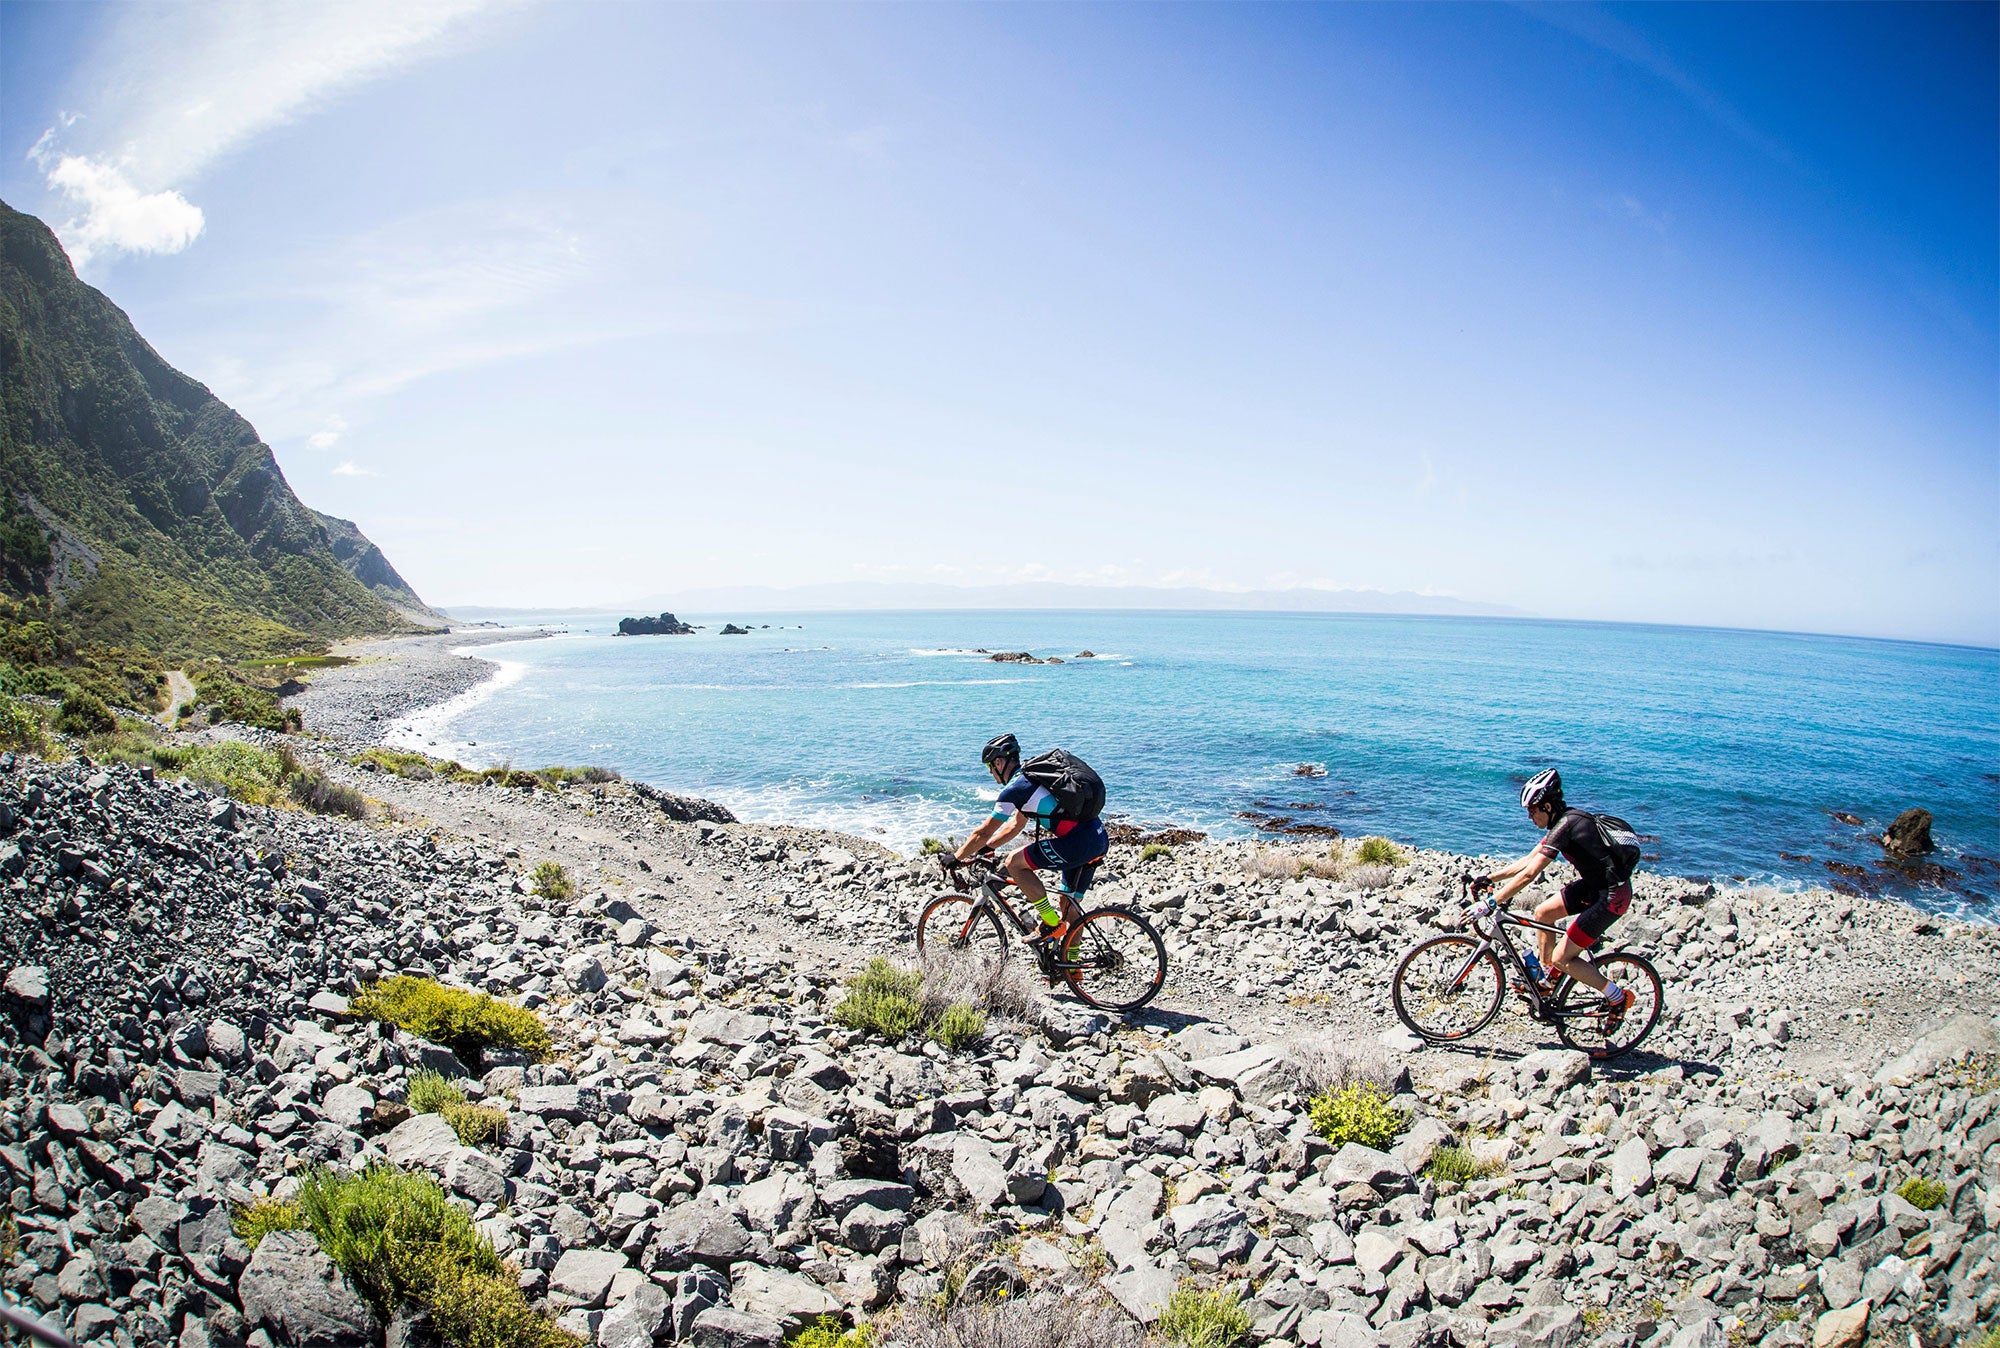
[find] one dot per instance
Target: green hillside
(138, 513)
(178, 534)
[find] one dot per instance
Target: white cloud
(117, 217)
(336, 426)
(349, 468)
(175, 87)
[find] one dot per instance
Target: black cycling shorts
(1593, 908)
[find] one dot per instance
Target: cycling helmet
(1001, 748)
(1544, 788)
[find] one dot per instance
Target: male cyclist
(1062, 843)
(1599, 895)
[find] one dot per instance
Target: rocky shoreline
(708, 1156)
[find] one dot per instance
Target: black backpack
(1078, 790)
(1622, 841)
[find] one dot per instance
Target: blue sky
(1665, 313)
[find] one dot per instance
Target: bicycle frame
(990, 881)
(1496, 934)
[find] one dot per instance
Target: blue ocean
(1735, 751)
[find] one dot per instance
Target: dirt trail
(180, 692)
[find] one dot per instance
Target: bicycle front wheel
(1583, 1022)
(1449, 988)
(1114, 960)
(954, 930)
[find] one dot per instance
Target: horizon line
(591, 611)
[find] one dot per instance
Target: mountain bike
(1111, 958)
(1450, 987)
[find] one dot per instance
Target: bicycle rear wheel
(1121, 961)
(954, 930)
(1448, 988)
(1582, 1021)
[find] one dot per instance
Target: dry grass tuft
(1321, 1065)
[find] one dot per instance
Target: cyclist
(1599, 895)
(1070, 846)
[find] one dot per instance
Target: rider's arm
(1519, 876)
(992, 833)
(979, 839)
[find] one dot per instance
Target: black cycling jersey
(1577, 838)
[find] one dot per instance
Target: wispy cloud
(177, 87)
(349, 468)
(1596, 25)
(336, 426)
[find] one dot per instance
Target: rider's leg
(1021, 871)
(1572, 961)
(1549, 912)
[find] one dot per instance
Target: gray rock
(226, 1043)
(1538, 1327)
(347, 1105)
(197, 1089)
(582, 1278)
(1631, 1168)
(991, 1279)
(574, 1103)
(1143, 1290)
(1356, 1164)
(425, 1141)
(583, 973)
(293, 1291)
(774, 1294)
(1257, 1074)
(28, 983)
(870, 1229)
(67, 1119)
(978, 1170)
(222, 813)
(722, 1327)
(1211, 1227)
(635, 1321)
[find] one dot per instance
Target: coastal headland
(709, 1151)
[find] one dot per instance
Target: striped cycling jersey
(1024, 797)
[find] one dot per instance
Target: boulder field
(708, 1156)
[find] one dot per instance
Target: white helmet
(1543, 788)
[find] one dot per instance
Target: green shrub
(552, 882)
(429, 1092)
(959, 1025)
(465, 1022)
(932, 846)
(235, 698)
(1193, 1319)
(1990, 1339)
(1151, 850)
(476, 1125)
(1456, 1165)
(1356, 1113)
(883, 1000)
(21, 730)
(826, 1332)
(1923, 1194)
(400, 1239)
(1378, 852)
(83, 713)
(253, 1221)
(250, 774)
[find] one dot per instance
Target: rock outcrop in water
(666, 625)
(1909, 833)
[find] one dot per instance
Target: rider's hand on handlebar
(1482, 884)
(949, 860)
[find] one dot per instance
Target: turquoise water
(1731, 748)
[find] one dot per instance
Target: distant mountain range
(146, 509)
(880, 595)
